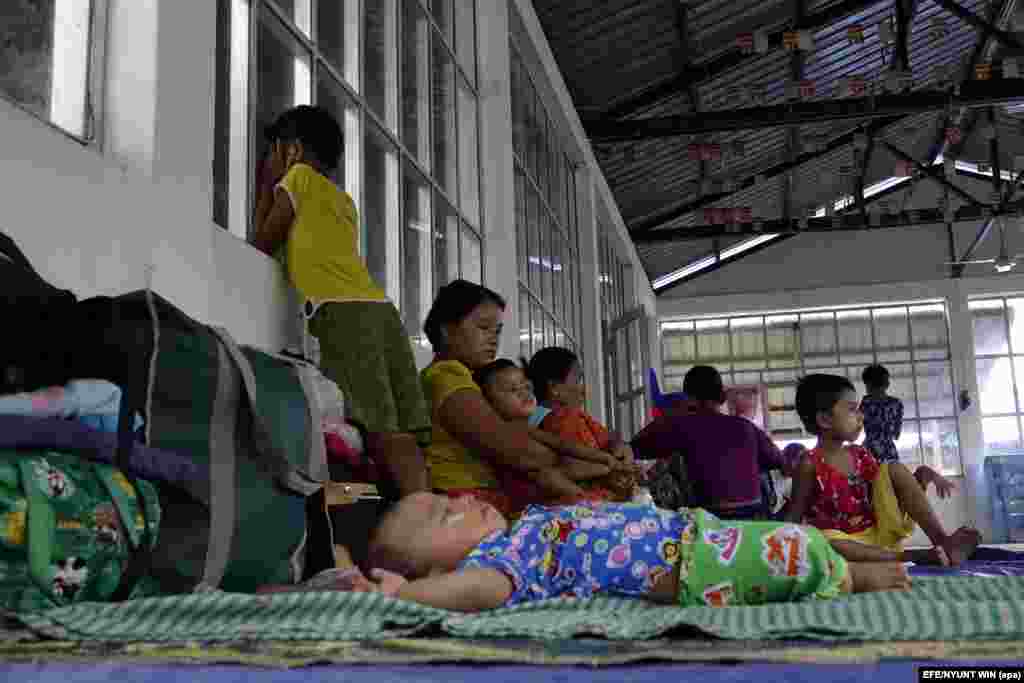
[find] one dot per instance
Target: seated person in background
(505, 386)
(470, 440)
(724, 455)
(557, 380)
(866, 510)
(461, 555)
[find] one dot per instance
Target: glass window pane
(332, 97)
(469, 168)
(446, 243)
(536, 326)
(901, 385)
(416, 81)
(558, 276)
(298, 11)
(989, 326)
(533, 245)
(544, 256)
(995, 384)
(636, 371)
(713, 343)
(1001, 432)
(541, 159)
(522, 229)
(444, 117)
(818, 339)
(855, 337)
(940, 445)
(1015, 313)
(934, 389)
(621, 361)
(444, 15)
(572, 292)
(381, 202)
(524, 324)
(472, 261)
(530, 124)
(782, 347)
(928, 327)
(747, 343)
(465, 38)
(418, 291)
(518, 108)
(892, 334)
(380, 56)
(51, 83)
(909, 445)
(283, 76)
(1018, 374)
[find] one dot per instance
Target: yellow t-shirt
(452, 466)
(322, 252)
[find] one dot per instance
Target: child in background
(460, 554)
(866, 510)
(506, 387)
(363, 344)
(883, 415)
(557, 379)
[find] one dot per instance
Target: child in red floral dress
(865, 509)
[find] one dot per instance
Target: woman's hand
(623, 455)
(385, 582)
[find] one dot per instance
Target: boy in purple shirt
(724, 455)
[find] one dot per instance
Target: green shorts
(750, 563)
(365, 350)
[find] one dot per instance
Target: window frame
(94, 97)
(547, 212)
(670, 329)
(243, 84)
(1011, 355)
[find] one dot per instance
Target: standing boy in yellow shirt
(363, 345)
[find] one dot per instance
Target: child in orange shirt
(557, 380)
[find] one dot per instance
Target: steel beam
(904, 17)
(972, 94)
(936, 173)
(989, 30)
(653, 220)
(997, 182)
(697, 73)
(842, 223)
(984, 49)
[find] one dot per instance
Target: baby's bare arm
(469, 590)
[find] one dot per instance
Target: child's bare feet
(869, 577)
(935, 555)
(960, 545)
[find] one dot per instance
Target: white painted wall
(92, 227)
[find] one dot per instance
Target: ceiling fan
(1003, 262)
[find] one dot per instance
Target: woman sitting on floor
(469, 438)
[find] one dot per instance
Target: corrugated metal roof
(610, 50)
